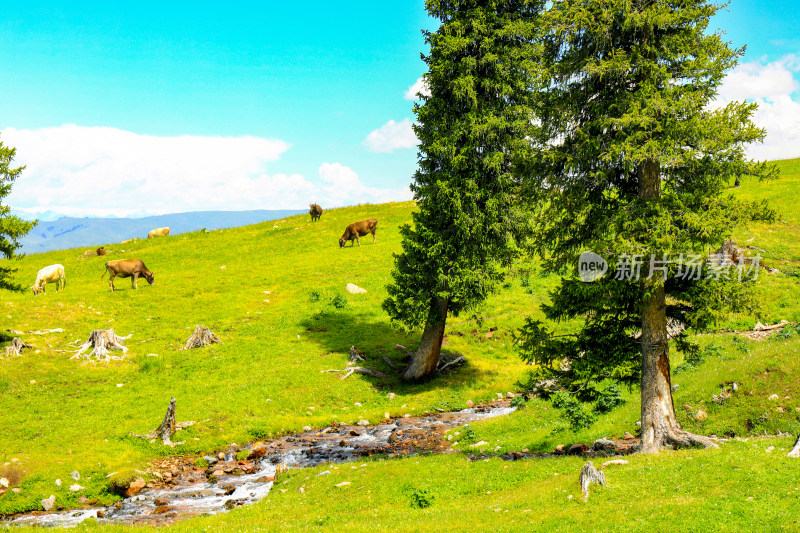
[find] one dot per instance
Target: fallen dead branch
(202, 336)
(16, 347)
(37, 332)
(101, 340)
(589, 475)
(357, 370)
(389, 363)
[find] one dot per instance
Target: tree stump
(16, 347)
(101, 340)
(167, 428)
(796, 450)
(356, 355)
(202, 336)
(589, 475)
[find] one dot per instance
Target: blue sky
(162, 107)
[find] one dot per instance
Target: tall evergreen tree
(632, 161)
(472, 130)
(11, 227)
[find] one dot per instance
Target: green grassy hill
(62, 414)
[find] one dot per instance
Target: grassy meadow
(280, 308)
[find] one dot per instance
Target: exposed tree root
(101, 340)
(449, 362)
(589, 475)
(16, 347)
(796, 450)
(202, 336)
(680, 438)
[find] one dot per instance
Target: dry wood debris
(16, 347)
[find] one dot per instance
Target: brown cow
(315, 212)
(101, 250)
(124, 268)
(359, 229)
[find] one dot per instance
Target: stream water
(229, 483)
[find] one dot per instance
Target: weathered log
(589, 475)
(389, 363)
(202, 336)
(796, 450)
(101, 340)
(167, 428)
(16, 347)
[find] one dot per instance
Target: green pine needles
(12, 228)
(472, 129)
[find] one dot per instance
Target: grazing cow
(359, 229)
(49, 274)
(124, 268)
(315, 212)
(101, 250)
(158, 232)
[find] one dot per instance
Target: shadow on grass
(337, 331)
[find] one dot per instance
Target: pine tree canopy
(472, 130)
(632, 159)
(12, 228)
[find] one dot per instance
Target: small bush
(573, 411)
(466, 434)
(608, 399)
(339, 301)
(259, 433)
(421, 498)
(518, 401)
(787, 332)
(314, 296)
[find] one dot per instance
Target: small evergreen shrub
(608, 399)
(573, 411)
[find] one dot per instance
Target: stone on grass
(774, 397)
(701, 415)
(75, 475)
(4, 482)
(354, 289)
(49, 503)
(75, 488)
(362, 422)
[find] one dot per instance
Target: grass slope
(75, 416)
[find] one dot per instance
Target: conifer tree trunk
(426, 358)
(659, 426)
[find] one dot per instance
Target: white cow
(50, 274)
(158, 232)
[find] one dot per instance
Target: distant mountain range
(68, 232)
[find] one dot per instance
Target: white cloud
(419, 87)
(391, 136)
(342, 186)
(772, 87)
(82, 171)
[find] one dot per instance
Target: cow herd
(135, 268)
